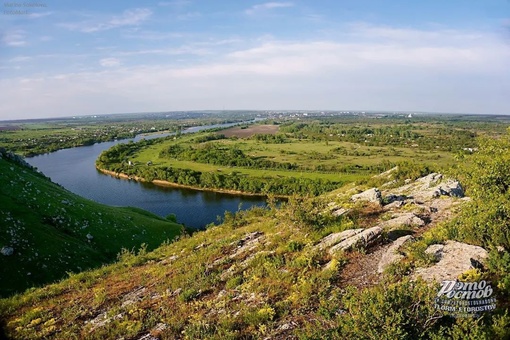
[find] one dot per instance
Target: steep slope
(47, 231)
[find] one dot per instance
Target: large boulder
(371, 195)
(392, 255)
(364, 239)
(454, 259)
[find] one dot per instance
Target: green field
(306, 154)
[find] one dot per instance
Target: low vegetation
(48, 231)
(260, 273)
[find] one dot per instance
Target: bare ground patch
(240, 132)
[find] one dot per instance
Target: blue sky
(67, 58)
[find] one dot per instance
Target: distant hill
(47, 231)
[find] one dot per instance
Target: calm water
(75, 170)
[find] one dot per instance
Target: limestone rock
(455, 259)
(248, 243)
(370, 195)
(405, 219)
(340, 212)
(436, 250)
(451, 188)
(335, 238)
(7, 251)
(89, 237)
(391, 255)
(364, 239)
(430, 179)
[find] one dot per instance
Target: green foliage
(307, 213)
(294, 246)
(397, 311)
(172, 218)
(486, 221)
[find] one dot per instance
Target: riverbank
(176, 185)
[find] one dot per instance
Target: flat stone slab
(391, 255)
(370, 195)
(364, 239)
(405, 219)
(335, 238)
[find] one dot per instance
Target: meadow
(313, 151)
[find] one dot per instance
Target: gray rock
(370, 195)
(248, 243)
(7, 251)
(394, 205)
(339, 212)
(451, 188)
(335, 238)
(456, 258)
(391, 198)
(89, 237)
(430, 179)
(391, 255)
(400, 220)
(436, 250)
(364, 239)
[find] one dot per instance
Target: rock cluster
(426, 200)
(454, 258)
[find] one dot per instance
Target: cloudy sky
(66, 58)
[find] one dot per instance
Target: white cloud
(20, 59)
(131, 17)
(39, 15)
(454, 72)
(14, 38)
(109, 62)
(267, 6)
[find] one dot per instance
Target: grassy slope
(48, 226)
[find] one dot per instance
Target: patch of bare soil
(247, 132)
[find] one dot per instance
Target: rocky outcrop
(364, 239)
(429, 180)
(402, 220)
(451, 188)
(247, 244)
(371, 195)
(392, 254)
(335, 238)
(7, 251)
(454, 259)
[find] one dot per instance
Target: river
(75, 170)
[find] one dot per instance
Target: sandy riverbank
(176, 185)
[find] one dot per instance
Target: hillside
(47, 231)
(363, 262)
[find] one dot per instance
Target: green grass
(48, 226)
(305, 153)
